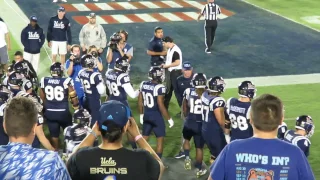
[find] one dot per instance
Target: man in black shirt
(155, 48)
(110, 160)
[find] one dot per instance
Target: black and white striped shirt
(210, 11)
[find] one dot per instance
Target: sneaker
(95, 0)
(55, 1)
(64, 0)
(187, 164)
(180, 155)
(208, 51)
(86, 1)
(201, 172)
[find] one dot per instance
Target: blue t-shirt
(21, 161)
(256, 158)
(74, 76)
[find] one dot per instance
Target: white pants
(59, 47)
(33, 59)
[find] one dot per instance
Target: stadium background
(251, 41)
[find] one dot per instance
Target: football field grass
(297, 99)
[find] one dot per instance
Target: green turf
(293, 9)
(295, 99)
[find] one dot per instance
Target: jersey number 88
(238, 122)
(113, 88)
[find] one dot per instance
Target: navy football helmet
(15, 79)
(156, 74)
(4, 94)
(199, 80)
(216, 84)
(82, 117)
(87, 61)
(56, 69)
(247, 89)
(22, 68)
(122, 65)
(305, 122)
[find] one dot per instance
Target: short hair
(91, 47)
(20, 116)
(266, 112)
(75, 46)
(126, 34)
(157, 28)
(18, 53)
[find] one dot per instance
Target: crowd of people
(245, 135)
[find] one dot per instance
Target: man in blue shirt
(155, 48)
(18, 159)
(263, 156)
(73, 67)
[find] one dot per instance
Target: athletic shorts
(57, 120)
(4, 57)
(153, 122)
(59, 47)
(215, 141)
(188, 133)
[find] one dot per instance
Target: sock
(198, 165)
(160, 155)
(187, 152)
(133, 145)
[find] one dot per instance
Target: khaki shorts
(4, 58)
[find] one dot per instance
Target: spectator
(123, 163)
(98, 66)
(18, 159)
(5, 46)
(92, 34)
(73, 67)
(122, 48)
(172, 68)
(264, 153)
(59, 35)
(32, 38)
(155, 48)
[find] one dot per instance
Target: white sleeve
(101, 88)
(130, 91)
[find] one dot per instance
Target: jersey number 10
(148, 100)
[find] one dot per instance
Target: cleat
(180, 155)
(187, 164)
(208, 51)
(201, 172)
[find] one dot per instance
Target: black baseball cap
(33, 18)
(167, 39)
(92, 15)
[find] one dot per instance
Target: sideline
(10, 9)
(280, 15)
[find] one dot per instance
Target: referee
(210, 12)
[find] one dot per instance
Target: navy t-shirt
(256, 158)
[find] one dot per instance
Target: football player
(4, 96)
(15, 82)
(27, 86)
(54, 92)
(119, 86)
(191, 106)
(238, 113)
(152, 109)
(300, 137)
(73, 135)
(93, 86)
(213, 116)
(282, 129)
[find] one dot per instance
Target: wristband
(93, 133)
(137, 137)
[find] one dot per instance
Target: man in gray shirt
(92, 34)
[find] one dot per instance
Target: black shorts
(197, 137)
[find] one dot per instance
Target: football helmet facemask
(156, 74)
(247, 89)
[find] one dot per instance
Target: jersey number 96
(54, 93)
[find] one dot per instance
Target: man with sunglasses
(59, 35)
